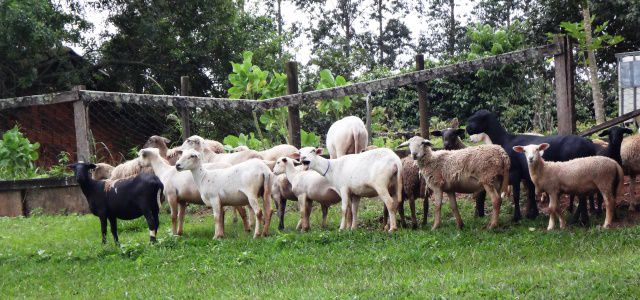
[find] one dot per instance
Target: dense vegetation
(62, 257)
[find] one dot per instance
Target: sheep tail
(618, 181)
(266, 196)
(356, 137)
(399, 186)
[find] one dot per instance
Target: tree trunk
(279, 20)
(452, 28)
(380, 43)
(346, 23)
(598, 102)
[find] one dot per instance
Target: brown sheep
(630, 154)
(102, 171)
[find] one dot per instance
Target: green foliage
(486, 41)
(232, 141)
(335, 107)
(61, 169)
(309, 139)
(250, 82)
(17, 155)
(600, 38)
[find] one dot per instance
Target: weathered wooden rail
(560, 50)
(610, 123)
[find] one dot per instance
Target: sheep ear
(604, 133)
(405, 144)
(518, 149)
(284, 159)
(295, 155)
(627, 131)
(426, 143)
(296, 162)
(436, 133)
(460, 132)
(92, 166)
(319, 151)
(166, 140)
(543, 146)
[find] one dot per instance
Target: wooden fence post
(564, 75)
(81, 124)
(291, 68)
(423, 103)
(184, 111)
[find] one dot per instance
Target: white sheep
(579, 176)
(368, 174)
(199, 144)
(307, 186)
(273, 153)
(347, 136)
(240, 184)
(180, 189)
(466, 170)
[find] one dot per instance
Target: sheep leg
(152, 223)
(308, 210)
(325, 212)
(412, 206)
(304, 215)
(454, 207)
(517, 215)
(403, 222)
(243, 215)
(173, 205)
(266, 203)
(632, 192)
(570, 207)
(103, 229)
(253, 202)
(344, 194)
(282, 204)
(355, 203)
(610, 203)
(349, 216)
(436, 214)
(600, 201)
(391, 205)
(252, 216)
(218, 217)
(496, 202)
(235, 216)
(553, 206)
(182, 207)
(113, 223)
(532, 206)
(425, 209)
(480, 196)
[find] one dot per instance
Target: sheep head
(81, 169)
(533, 153)
(194, 142)
(616, 134)
(189, 160)
(102, 171)
(418, 147)
(309, 156)
(480, 121)
(156, 141)
(281, 165)
(146, 155)
(449, 137)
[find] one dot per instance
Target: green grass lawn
(62, 257)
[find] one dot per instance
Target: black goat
(563, 148)
(126, 199)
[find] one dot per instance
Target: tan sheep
(102, 171)
(462, 171)
(209, 156)
(630, 154)
(579, 176)
(413, 186)
(347, 136)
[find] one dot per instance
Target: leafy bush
(232, 141)
(337, 106)
(61, 170)
(309, 139)
(17, 155)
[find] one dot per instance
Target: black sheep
(126, 199)
(563, 148)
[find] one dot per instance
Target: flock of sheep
(199, 172)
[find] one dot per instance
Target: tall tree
(596, 92)
(444, 36)
(388, 16)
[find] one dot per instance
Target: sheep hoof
(531, 215)
(153, 239)
(460, 226)
(394, 229)
(492, 226)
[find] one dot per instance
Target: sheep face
(418, 147)
(309, 156)
(193, 142)
(533, 153)
(449, 137)
(102, 171)
(480, 121)
(156, 142)
(281, 165)
(146, 155)
(81, 169)
(189, 160)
